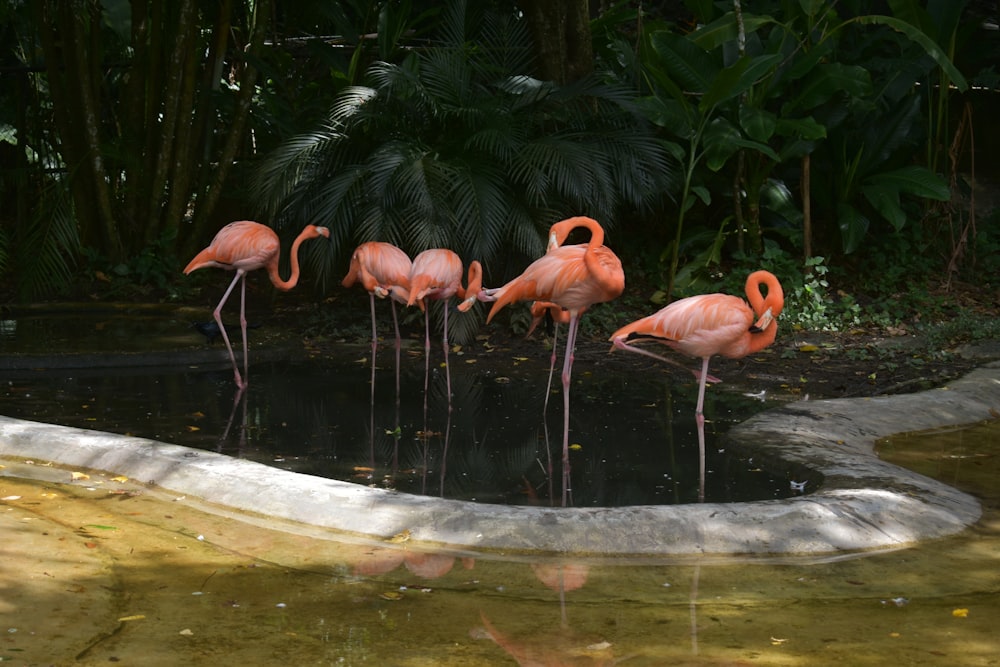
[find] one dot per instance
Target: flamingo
(710, 324)
(437, 275)
(383, 270)
(573, 277)
(245, 246)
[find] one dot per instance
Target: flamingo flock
(563, 283)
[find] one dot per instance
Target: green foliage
(455, 147)
(809, 304)
(153, 271)
(47, 248)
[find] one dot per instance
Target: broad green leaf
(803, 128)
(702, 8)
(675, 150)
(758, 147)
(666, 113)
(928, 44)
(738, 78)
(724, 30)
(812, 7)
(914, 180)
(725, 86)
(853, 227)
(758, 124)
(703, 193)
(885, 200)
(690, 66)
(827, 81)
(719, 142)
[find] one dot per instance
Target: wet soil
(862, 362)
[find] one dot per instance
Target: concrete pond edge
(853, 501)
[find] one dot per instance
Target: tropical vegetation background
(845, 145)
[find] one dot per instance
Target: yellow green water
(96, 571)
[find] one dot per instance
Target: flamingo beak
(764, 322)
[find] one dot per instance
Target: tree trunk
(560, 30)
(235, 133)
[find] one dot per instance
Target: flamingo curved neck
(560, 230)
(773, 302)
(293, 279)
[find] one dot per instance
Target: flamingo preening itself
(573, 277)
(242, 247)
(437, 276)
(384, 271)
(706, 325)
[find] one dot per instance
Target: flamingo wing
(245, 245)
(699, 326)
(377, 264)
(563, 277)
(436, 273)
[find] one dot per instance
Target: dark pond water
(633, 437)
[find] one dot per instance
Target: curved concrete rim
(862, 503)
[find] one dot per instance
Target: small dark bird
(211, 331)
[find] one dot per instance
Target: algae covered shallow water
(110, 571)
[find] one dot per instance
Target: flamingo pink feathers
(245, 246)
(709, 324)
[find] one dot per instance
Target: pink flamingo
(242, 247)
(573, 277)
(383, 270)
(437, 275)
(710, 324)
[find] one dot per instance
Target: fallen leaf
(79, 475)
(186, 632)
(121, 479)
(402, 536)
(576, 446)
(391, 595)
(192, 429)
(808, 347)
(134, 617)
(959, 613)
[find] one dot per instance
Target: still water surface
(633, 440)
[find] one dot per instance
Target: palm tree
(454, 146)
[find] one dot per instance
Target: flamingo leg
(699, 419)
(395, 323)
(552, 367)
(243, 328)
(371, 405)
(622, 345)
(217, 314)
(444, 344)
(427, 354)
(574, 323)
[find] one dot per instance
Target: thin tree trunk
(172, 117)
(235, 131)
(806, 208)
(560, 30)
